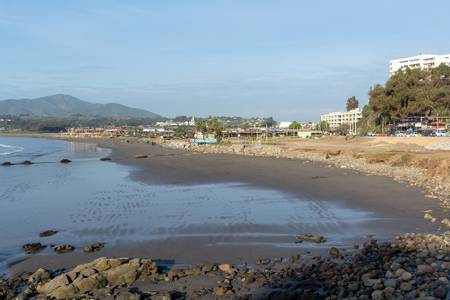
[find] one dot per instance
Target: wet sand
(400, 206)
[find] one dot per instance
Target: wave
(9, 149)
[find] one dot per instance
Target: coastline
(402, 204)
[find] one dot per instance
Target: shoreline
(297, 177)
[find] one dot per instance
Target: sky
(292, 60)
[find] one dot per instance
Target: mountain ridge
(62, 105)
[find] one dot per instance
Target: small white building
(284, 125)
(336, 119)
(422, 61)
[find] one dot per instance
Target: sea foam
(9, 149)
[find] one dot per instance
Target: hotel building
(336, 119)
(423, 61)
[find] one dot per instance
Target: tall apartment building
(336, 119)
(423, 61)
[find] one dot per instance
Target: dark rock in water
(105, 158)
(64, 248)
(334, 252)
(27, 162)
(94, 247)
(32, 247)
(65, 161)
(141, 156)
(311, 238)
(48, 233)
(7, 164)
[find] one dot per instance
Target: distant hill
(66, 105)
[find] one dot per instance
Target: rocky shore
(430, 175)
(413, 266)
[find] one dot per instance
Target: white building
(336, 119)
(423, 61)
(284, 124)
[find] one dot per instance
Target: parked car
(441, 133)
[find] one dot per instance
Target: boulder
(227, 268)
(311, 238)
(40, 276)
(47, 233)
(59, 281)
(334, 252)
(63, 248)
(94, 247)
(33, 247)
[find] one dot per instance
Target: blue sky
(286, 59)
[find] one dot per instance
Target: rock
(263, 261)
(162, 296)
(40, 276)
(7, 164)
(406, 286)
(47, 233)
(372, 282)
(353, 286)
(123, 274)
(220, 291)
(227, 268)
(59, 281)
(27, 162)
(94, 247)
(93, 282)
(377, 295)
(446, 222)
(105, 158)
(390, 283)
(406, 276)
(294, 259)
(311, 238)
(128, 295)
(33, 247)
(65, 161)
(440, 292)
(64, 292)
(63, 248)
(423, 269)
(334, 252)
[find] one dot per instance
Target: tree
(214, 127)
(342, 129)
(181, 131)
(200, 125)
(295, 125)
(409, 93)
(323, 126)
(352, 103)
